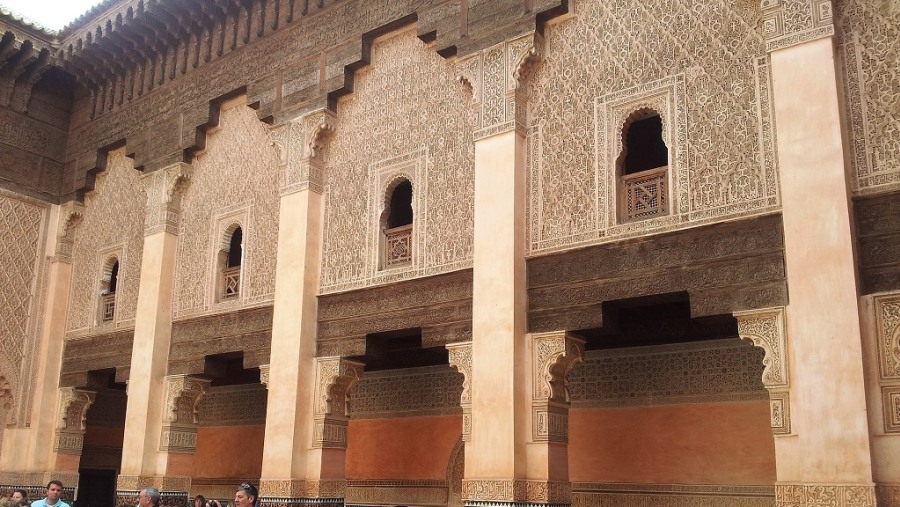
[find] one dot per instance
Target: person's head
(19, 495)
(246, 495)
(54, 491)
(199, 501)
(149, 497)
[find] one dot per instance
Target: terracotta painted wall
(720, 443)
(229, 451)
(404, 448)
(104, 436)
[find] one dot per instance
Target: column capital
(460, 357)
(335, 378)
(765, 329)
(164, 190)
(183, 395)
(554, 354)
(495, 75)
(71, 214)
(70, 427)
(299, 145)
(786, 23)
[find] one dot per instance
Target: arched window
(230, 258)
(108, 285)
(643, 168)
(397, 225)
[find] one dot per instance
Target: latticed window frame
(107, 307)
(398, 246)
(633, 184)
(231, 283)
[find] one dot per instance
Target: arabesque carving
(460, 357)
(277, 492)
(868, 32)
(407, 109)
(182, 415)
(787, 23)
(887, 334)
(71, 214)
(833, 495)
(509, 490)
(299, 143)
(335, 378)
(70, 427)
(164, 190)
(112, 218)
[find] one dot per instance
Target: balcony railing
(108, 307)
(397, 246)
(646, 194)
(231, 283)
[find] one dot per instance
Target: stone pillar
(501, 465)
(30, 454)
(144, 460)
(826, 460)
(293, 470)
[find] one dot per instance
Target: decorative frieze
(73, 407)
(375, 492)
(296, 492)
(460, 358)
(164, 189)
(518, 491)
(407, 392)
(824, 495)
(587, 494)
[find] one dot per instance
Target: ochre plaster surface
(229, 451)
(412, 448)
(721, 443)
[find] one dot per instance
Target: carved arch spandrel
(554, 354)
(766, 330)
(460, 358)
(299, 144)
(72, 418)
(335, 378)
(183, 396)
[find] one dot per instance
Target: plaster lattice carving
(411, 492)
(239, 405)
(870, 41)
(700, 372)
(240, 165)
(822, 495)
(113, 217)
(765, 328)
(70, 428)
(433, 390)
(406, 102)
(335, 378)
(23, 224)
(703, 62)
(460, 357)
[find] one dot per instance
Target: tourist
(199, 501)
(54, 491)
(149, 497)
(19, 496)
(246, 496)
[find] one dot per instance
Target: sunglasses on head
(248, 488)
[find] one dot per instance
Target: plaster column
(827, 457)
(294, 470)
(144, 462)
(31, 454)
(504, 464)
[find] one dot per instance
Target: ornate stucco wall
(23, 227)
(407, 117)
(701, 66)
(869, 34)
(235, 181)
(113, 225)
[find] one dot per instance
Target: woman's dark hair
(23, 493)
(201, 499)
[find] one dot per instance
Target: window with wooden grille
(644, 176)
(230, 265)
(397, 235)
(108, 285)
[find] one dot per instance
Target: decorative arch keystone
(70, 427)
(554, 354)
(335, 378)
(461, 360)
(765, 329)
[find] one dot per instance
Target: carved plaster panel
(554, 354)
(23, 229)
(373, 492)
(586, 494)
(164, 190)
(822, 495)
(790, 22)
(406, 110)
(765, 328)
(699, 62)
(517, 491)
(299, 144)
(113, 220)
(300, 489)
(408, 392)
(335, 378)
(887, 330)
(239, 405)
(239, 169)
(870, 42)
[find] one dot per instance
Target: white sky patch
(51, 14)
